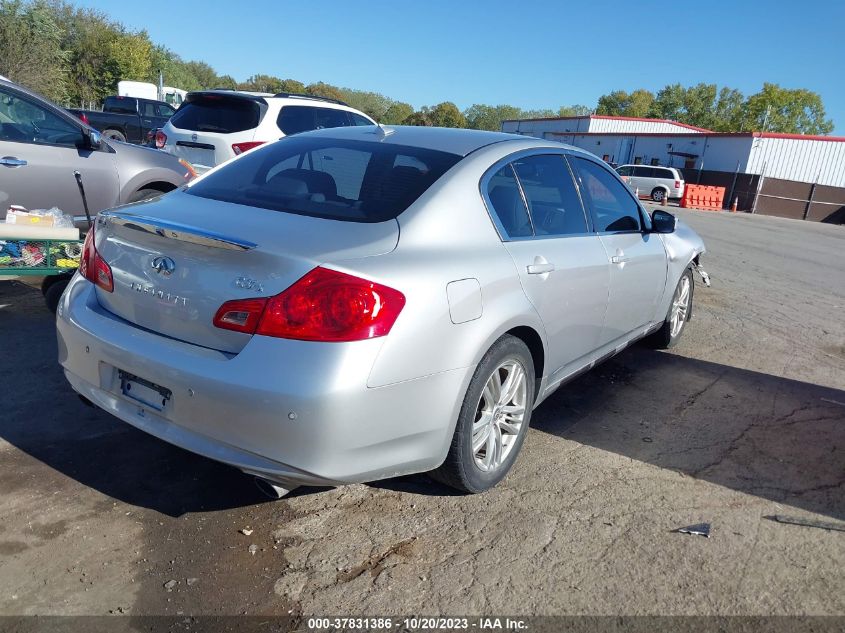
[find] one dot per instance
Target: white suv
(658, 183)
(213, 126)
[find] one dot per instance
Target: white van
(658, 183)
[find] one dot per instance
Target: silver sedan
(353, 304)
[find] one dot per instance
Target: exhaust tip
(270, 489)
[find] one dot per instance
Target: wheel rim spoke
(499, 415)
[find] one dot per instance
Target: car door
(39, 153)
(562, 266)
(637, 258)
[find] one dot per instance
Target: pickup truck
(127, 119)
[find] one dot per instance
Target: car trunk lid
(177, 259)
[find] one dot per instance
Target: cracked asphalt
(745, 420)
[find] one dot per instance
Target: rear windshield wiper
(211, 128)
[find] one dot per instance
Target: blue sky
(531, 54)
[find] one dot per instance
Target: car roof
(445, 139)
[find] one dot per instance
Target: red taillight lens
(84, 118)
(677, 184)
(93, 267)
(161, 139)
(325, 305)
(240, 148)
(241, 315)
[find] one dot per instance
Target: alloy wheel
(500, 415)
(680, 306)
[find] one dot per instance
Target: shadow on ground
(767, 436)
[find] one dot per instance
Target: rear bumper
(294, 412)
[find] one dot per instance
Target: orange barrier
(703, 197)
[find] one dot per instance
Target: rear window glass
(355, 181)
(120, 105)
(217, 114)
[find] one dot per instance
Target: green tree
(613, 104)
(574, 110)
(480, 116)
(321, 89)
(419, 118)
(700, 106)
(31, 47)
(130, 57)
(293, 86)
(669, 103)
(776, 109)
(371, 103)
(397, 113)
(727, 114)
(639, 103)
(446, 114)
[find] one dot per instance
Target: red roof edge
(800, 137)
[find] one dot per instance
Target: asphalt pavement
(744, 421)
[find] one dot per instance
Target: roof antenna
(382, 131)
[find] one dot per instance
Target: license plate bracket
(143, 391)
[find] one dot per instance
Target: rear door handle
(540, 269)
(11, 161)
(619, 259)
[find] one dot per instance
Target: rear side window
(625, 171)
(611, 203)
(357, 119)
(349, 180)
(553, 200)
(217, 113)
(121, 105)
(508, 206)
(294, 119)
(644, 172)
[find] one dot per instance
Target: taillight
(324, 305)
(93, 267)
(677, 184)
(161, 139)
(240, 148)
(84, 118)
(240, 315)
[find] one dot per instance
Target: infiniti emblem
(163, 265)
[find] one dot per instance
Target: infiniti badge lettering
(152, 291)
(163, 265)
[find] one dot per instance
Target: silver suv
(658, 183)
(42, 145)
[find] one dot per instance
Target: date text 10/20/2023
(417, 623)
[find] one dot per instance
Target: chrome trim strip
(175, 231)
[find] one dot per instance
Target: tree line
(76, 56)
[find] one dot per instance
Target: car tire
(115, 135)
(670, 332)
(658, 195)
(145, 194)
(54, 293)
(499, 440)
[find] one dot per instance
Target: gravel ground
(744, 420)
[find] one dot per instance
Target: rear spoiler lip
(174, 231)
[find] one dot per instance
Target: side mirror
(662, 222)
(95, 139)
(91, 139)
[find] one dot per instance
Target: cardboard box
(15, 216)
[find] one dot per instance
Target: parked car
(352, 304)
(127, 119)
(41, 146)
(213, 126)
(659, 183)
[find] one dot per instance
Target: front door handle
(11, 161)
(540, 269)
(619, 259)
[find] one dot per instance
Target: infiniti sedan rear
(353, 304)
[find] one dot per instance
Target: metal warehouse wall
(628, 148)
(799, 159)
(542, 127)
